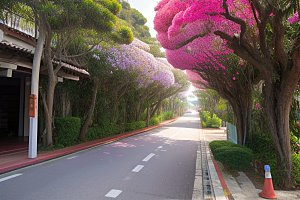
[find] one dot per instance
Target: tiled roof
(29, 53)
(72, 68)
(18, 31)
(6, 44)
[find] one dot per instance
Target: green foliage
(237, 156)
(138, 17)
(154, 121)
(295, 146)
(264, 154)
(94, 133)
(204, 115)
(167, 115)
(208, 122)
(219, 143)
(155, 50)
(135, 125)
(214, 122)
(295, 169)
(144, 116)
(122, 35)
(66, 131)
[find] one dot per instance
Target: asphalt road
(158, 164)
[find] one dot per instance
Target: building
(16, 56)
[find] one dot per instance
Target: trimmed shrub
(66, 131)
(208, 122)
(135, 125)
(94, 133)
(237, 156)
(203, 124)
(167, 115)
(204, 115)
(220, 143)
(214, 122)
(140, 124)
(295, 169)
(154, 121)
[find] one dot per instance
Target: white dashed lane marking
(9, 177)
(138, 168)
(113, 193)
(149, 157)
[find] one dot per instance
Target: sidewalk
(238, 187)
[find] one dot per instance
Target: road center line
(176, 133)
(160, 147)
(9, 177)
(72, 158)
(138, 168)
(149, 157)
(113, 193)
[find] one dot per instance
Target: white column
(32, 152)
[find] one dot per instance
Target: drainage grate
(207, 185)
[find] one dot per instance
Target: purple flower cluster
(135, 58)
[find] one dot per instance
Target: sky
(147, 9)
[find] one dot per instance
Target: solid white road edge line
(149, 157)
(138, 168)
(113, 193)
(72, 157)
(9, 177)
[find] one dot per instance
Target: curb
(88, 146)
(227, 193)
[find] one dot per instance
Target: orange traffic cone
(268, 190)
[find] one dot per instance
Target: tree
(208, 100)
(60, 20)
(255, 31)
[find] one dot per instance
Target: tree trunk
(50, 97)
(52, 81)
(87, 120)
(277, 111)
(148, 116)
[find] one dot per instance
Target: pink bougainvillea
(294, 19)
(176, 22)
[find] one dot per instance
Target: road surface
(157, 164)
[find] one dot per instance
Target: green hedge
(66, 131)
(135, 125)
(154, 121)
(214, 122)
(94, 133)
(219, 143)
(296, 169)
(167, 115)
(237, 156)
(208, 122)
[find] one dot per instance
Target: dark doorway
(9, 107)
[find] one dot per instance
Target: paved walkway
(237, 187)
(224, 185)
